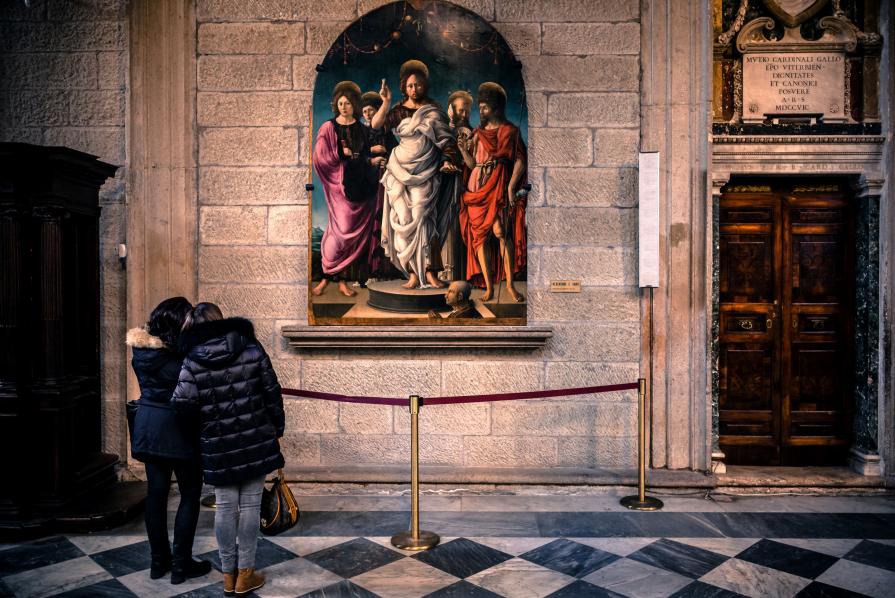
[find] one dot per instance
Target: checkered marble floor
(575, 567)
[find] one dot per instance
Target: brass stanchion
(641, 502)
(415, 539)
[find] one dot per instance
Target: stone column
(676, 116)
(864, 456)
(887, 247)
(719, 179)
(161, 203)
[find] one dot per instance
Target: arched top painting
(420, 173)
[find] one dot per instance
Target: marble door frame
(859, 159)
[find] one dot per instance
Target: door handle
(769, 323)
(795, 323)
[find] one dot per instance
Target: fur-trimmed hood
(139, 338)
(217, 342)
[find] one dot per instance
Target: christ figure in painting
(420, 178)
(492, 205)
(348, 172)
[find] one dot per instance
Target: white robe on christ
(420, 201)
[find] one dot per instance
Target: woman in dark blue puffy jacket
(228, 381)
(166, 442)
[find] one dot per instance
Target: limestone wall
(63, 78)
(582, 69)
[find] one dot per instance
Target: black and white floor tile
(513, 567)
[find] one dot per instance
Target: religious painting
(419, 172)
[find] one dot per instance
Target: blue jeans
(237, 521)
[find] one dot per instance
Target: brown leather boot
(229, 583)
(248, 580)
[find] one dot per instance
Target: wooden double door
(786, 326)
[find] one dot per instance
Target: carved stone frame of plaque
(795, 78)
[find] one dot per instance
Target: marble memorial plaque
(794, 84)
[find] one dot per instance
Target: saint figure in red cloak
(492, 206)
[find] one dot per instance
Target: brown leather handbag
(279, 510)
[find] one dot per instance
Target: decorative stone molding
(870, 185)
(839, 35)
(790, 18)
(725, 38)
(864, 463)
(718, 465)
(417, 337)
(802, 155)
(799, 139)
(737, 93)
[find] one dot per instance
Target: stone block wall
(581, 63)
(63, 81)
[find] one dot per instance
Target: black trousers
(189, 482)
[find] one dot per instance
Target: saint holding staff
(492, 205)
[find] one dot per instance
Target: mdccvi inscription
(793, 77)
(809, 84)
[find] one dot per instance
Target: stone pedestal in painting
(390, 295)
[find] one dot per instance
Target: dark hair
(496, 102)
(493, 95)
(419, 75)
(371, 98)
(167, 319)
(203, 312)
(352, 97)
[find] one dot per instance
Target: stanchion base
(406, 541)
(208, 501)
(648, 503)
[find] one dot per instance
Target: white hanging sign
(648, 220)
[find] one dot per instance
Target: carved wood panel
(749, 282)
(785, 326)
(818, 371)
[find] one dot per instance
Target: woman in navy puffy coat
(228, 381)
(166, 442)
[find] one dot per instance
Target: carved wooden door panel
(750, 242)
(818, 369)
(784, 328)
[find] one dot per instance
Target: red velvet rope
(512, 396)
(328, 396)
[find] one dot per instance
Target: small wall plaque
(565, 286)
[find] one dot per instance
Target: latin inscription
(793, 84)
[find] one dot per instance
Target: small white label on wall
(565, 286)
(648, 220)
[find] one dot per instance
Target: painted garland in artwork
(419, 165)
